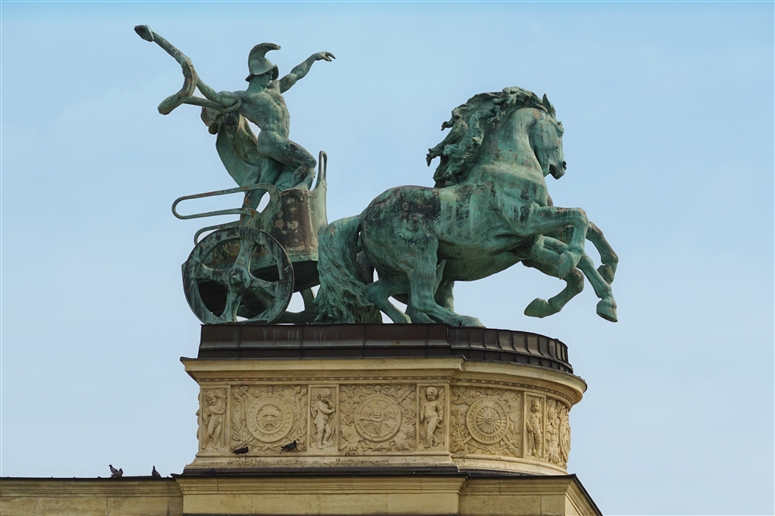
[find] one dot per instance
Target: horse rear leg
(442, 297)
(423, 284)
(445, 296)
(379, 294)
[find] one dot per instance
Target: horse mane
(468, 125)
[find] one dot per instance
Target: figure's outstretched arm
(301, 70)
(191, 79)
(222, 98)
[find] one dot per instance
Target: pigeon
(289, 446)
(115, 473)
(154, 473)
(241, 451)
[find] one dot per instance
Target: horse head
(481, 127)
(546, 141)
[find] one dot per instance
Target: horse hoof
(606, 273)
(538, 308)
(607, 310)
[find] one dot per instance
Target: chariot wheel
(238, 272)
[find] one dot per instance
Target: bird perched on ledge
(241, 451)
(115, 473)
(154, 473)
(289, 446)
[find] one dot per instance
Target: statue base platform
(381, 399)
(357, 419)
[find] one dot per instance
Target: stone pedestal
(361, 398)
(388, 418)
(357, 419)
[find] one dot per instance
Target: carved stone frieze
(564, 435)
(383, 416)
(534, 426)
(377, 418)
(212, 420)
(432, 416)
(323, 418)
(552, 437)
(485, 421)
(264, 418)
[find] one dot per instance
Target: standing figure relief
(535, 437)
(432, 414)
(322, 411)
(213, 415)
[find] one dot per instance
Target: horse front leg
(543, 220)
(606, 307)
(607, 255)
(548, 261)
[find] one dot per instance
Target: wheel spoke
(217, 275)
(233, 300)
(266, 297)
(259, 285)
(245, 250)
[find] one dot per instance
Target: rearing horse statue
(490, 209)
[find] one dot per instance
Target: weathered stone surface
(444, 399)
(456, 494)
(127, 496)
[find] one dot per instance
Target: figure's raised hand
(324, 56)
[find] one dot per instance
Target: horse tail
(342, 296)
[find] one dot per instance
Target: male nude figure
(263, 104)
(534, 434)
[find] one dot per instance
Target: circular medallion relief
(269, 419)
(487, 421)
(378, 417)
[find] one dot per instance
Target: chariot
(249, 269)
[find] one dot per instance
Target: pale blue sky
(668, 110)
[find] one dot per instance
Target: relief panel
(534, 426)
(377, 418)
(323, 419)
(485, 421)
(432, 417)
(264, 418)
(212, 420)
(557, 433)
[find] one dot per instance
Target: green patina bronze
(248, 269)
(489, 211)
(269, 158)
